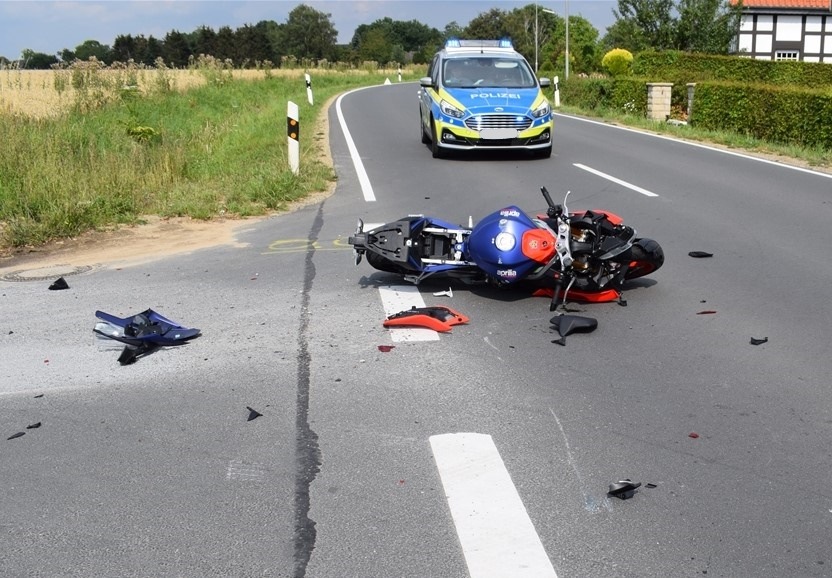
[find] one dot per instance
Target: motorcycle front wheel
(646, 256)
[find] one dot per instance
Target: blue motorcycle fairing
(495, 244)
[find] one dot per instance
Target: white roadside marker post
(308, 88)
(557, 92)
(293, 134)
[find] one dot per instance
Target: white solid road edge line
(497, 536)
(637, 189)
(363, 179)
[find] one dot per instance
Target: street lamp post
(566, 54)
(535, 37)
(566, 63)
(566, 66)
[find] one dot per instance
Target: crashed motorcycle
(586, 255)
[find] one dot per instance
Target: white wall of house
(805, 37)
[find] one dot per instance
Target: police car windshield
(491, 71)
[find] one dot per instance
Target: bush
(618, 61)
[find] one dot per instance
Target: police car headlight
(450, 110)
(541, 110)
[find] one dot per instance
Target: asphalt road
(152, 469)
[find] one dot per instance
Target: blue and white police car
(482, 94)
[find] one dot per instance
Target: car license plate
(498, 133)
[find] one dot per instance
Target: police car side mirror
(544, 82)
(425, 82)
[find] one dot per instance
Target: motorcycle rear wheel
(646, 256)
(384, 264)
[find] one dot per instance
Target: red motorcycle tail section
(437, 318)
(606, 296)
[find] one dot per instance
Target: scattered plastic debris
(17, 435)
(755, 341)
(437, 317)
(33, 426)
(142, 333)
(386, 348)
(700, 254)
(623, 489)
(566, 324)
(253, 413)
(59, 284)
(448, 293)
(651, 486)
(707, 312)
(693, 435)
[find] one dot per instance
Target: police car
(482, 94)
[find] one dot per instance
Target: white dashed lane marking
(497, 536)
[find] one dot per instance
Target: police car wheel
(425, 137)
(545, 153)
(437, 152)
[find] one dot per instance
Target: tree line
(708, 26)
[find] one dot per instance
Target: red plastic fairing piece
(539, 245)
(606, 296)
(438, 318)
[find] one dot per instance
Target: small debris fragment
(693, 435)
(755, 341)
(700, 254)
(707, 312)
(33, 426)
(448, 293)
(38, 395)
(386, 348)
(651, 486)
(253, 414)
(623, 489)
(17, 435)
(59, 284)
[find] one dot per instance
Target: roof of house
(787, 4)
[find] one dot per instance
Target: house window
(786, 55)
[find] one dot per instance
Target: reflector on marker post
(293, 133)
(308, 88)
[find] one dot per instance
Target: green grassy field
(214, 150)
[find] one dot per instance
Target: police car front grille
(482, 121)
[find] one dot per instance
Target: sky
(50, 27)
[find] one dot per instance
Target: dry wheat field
(49, 93)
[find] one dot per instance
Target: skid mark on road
(590, 503)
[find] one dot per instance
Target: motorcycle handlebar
(554, 210)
